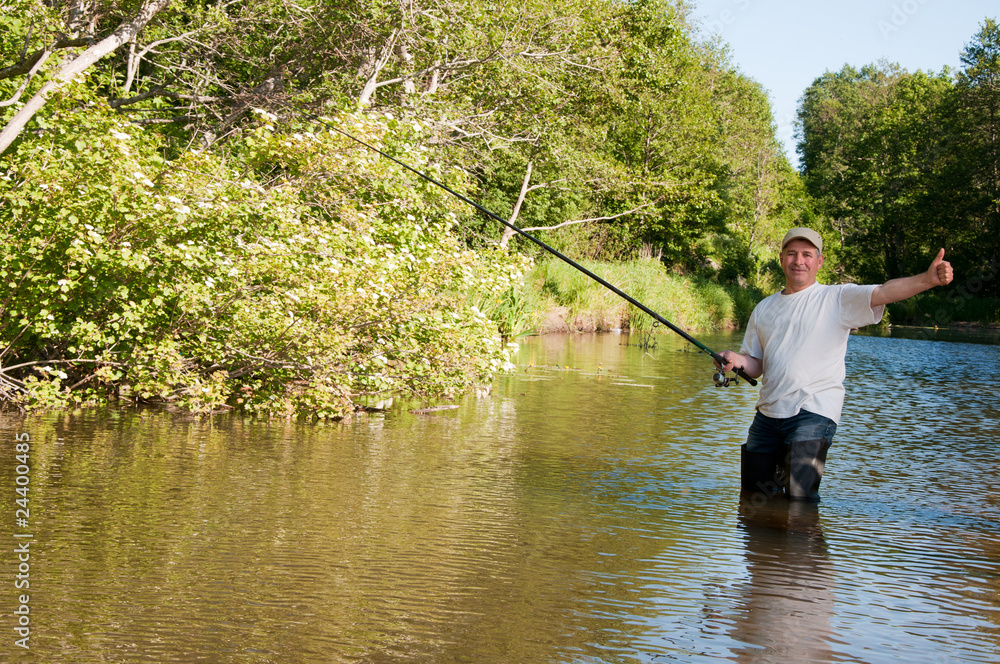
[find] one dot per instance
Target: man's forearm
(895, 290)
(752, 366)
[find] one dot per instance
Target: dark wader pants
(786, 455)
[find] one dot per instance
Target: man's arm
(894, 290)
(751, 365)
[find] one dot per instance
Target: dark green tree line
(902, 163)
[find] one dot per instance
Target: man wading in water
(797, 339)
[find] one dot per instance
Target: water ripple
(574, 516)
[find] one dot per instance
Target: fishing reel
(723, 380)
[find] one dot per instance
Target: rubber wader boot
(760, 472)
(806, 460)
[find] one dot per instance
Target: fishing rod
(720, 378)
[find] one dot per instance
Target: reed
(687, 302)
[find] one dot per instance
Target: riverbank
(946, 308)
(558, 298)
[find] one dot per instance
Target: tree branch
(135, 59)
(383, 58)
(583, 221)
(508, 232)
(116, 103)
(27, 79)
(125, 31)
(28, 64)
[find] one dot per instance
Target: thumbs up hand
(940, 272)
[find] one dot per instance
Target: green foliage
(319, 274)
(625, 117)
(688, 303)
(904, 163)
(744, 301)
(511, 311)
(41, 394)
(868, 152)
(970, 178)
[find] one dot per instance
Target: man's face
(800, 261)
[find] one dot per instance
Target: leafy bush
(291, 276)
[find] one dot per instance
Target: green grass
(686, 302)
(514, 310)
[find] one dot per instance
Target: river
(585, 510)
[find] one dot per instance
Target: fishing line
(614, 289)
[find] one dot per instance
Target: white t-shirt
(801, 340)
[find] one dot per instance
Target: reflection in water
(785, 614)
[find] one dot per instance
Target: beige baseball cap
(806, 234)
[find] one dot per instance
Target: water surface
(586, 510)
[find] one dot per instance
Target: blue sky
(785, 45)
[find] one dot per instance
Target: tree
(976, 145)
(753, 174)
(29, 65)
(869, 141)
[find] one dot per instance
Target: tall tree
(868, 140)
(977, 141)
(753, 182)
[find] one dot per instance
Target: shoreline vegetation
(318, 281)
(561, 299)
(185, 220)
